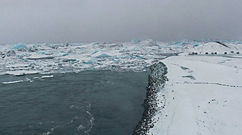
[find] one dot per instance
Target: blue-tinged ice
(95, 52)
(65, 54)
(20, 46)
(139, 57)
(91, 61)
(196, 45)
(116, 61)
(103, 56)
(131, 56)
(115, 57)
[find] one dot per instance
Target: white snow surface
(202, 97)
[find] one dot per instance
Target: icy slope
(202, 96)
(216, 47)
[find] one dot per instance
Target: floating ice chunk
(39, 57)
(90, 61)
(115, 57)
(11, 82)
(21, 72)
(140, 57)
(48, 53)
(196, 45)
(20, 46)
(11, 53)
(68, 60)
(116, 61)
(80, 127)
(131, 56)
(33, 48)
(28, 80)
(65, 54)
(47, 76)
(95, 52)
(17, 65)
(103, 56)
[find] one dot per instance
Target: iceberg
(20, 46)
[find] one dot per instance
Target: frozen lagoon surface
(201, 96)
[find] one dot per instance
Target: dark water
(92, 102)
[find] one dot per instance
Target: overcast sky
(52, 21)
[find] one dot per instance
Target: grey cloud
(32, 21)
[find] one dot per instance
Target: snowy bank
(202, 96)
(156, 82)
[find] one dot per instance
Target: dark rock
(156, 80)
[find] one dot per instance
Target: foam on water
(47, 76)
(14, 80)
(11, 82)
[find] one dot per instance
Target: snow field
(202, 97)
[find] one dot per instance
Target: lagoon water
(90, 102)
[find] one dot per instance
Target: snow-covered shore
(202, 97)
(156, 82)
